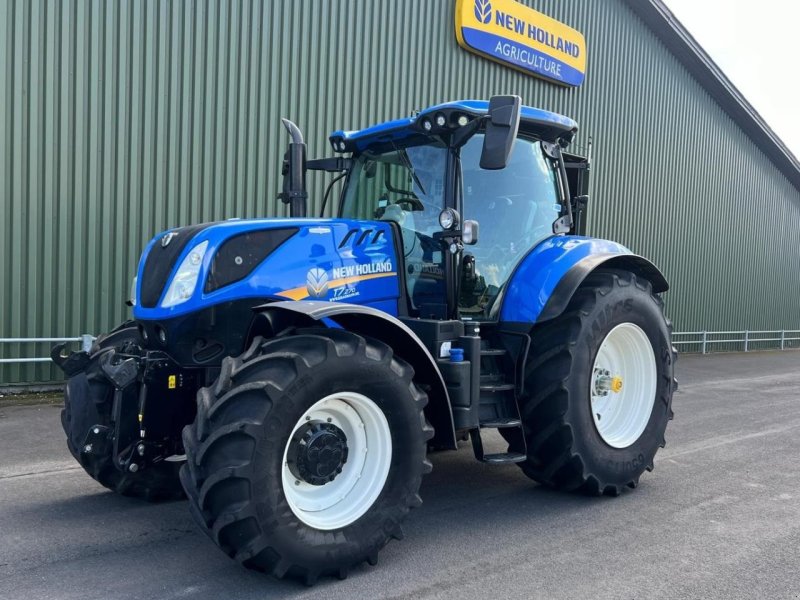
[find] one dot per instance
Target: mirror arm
(463, 134)
(331, 165)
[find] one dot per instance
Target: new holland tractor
(291, 375)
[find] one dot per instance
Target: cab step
(501, 424)
(492, 352)
(492, 378)
(499, 386)
(504, 458)
(498, 458)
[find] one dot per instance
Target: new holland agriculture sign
(513, 34)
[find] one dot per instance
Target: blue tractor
(291, 375)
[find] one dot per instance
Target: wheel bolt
(133, 467)
(140, 449)
(96, 430)
(297, 482)
(329, 420)
(87, 448)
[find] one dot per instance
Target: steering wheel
(410, 203)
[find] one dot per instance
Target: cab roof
(544, 124)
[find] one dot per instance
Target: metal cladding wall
(121, 119)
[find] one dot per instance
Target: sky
(757, 45)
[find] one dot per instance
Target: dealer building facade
(120, 120)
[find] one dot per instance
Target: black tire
(235, 451)
(565, 450)
(88, 401)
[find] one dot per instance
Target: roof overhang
(691, 55)
(544, 124)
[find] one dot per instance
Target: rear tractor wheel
(599, 388)
(307, 453)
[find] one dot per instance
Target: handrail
(708, 338)
(705, 339)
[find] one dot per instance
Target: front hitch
(151, 400)
(121, 373)
(72, 363)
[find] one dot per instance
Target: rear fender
(544, 282)
(272, 318)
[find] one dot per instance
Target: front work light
(427, 125)
(185, 280)
(448, 219)
(441, 120)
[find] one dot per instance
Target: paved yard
(718, 518)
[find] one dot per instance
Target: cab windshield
(401, 183)
(404, 183)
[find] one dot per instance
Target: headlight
(185, 280)
(448, 219)
(132, 297)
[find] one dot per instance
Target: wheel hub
(337, 460)
(317, 453)
(605, 383)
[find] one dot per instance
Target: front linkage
(125, 407)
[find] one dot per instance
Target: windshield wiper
(407, 164)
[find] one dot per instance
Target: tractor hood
(193, 268)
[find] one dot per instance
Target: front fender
(544, 282)
(364, 320)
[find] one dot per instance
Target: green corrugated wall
(119, 119)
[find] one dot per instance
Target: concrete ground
(718, 518)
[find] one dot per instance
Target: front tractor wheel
(307, 453)
(599, 388)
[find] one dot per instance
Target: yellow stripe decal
(301, 293)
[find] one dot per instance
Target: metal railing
(86, 340)
(704, 340)
(746, 339)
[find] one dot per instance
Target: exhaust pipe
(294, 172)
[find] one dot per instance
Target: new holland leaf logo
(317, 283)
(483, 11)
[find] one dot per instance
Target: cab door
(515, 208)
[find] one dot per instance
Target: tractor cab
(456, 167)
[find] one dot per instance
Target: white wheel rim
(623, 385)
(352, 492)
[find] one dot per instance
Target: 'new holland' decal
(319, 284)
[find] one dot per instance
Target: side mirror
(501, 131)
(469, 232)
